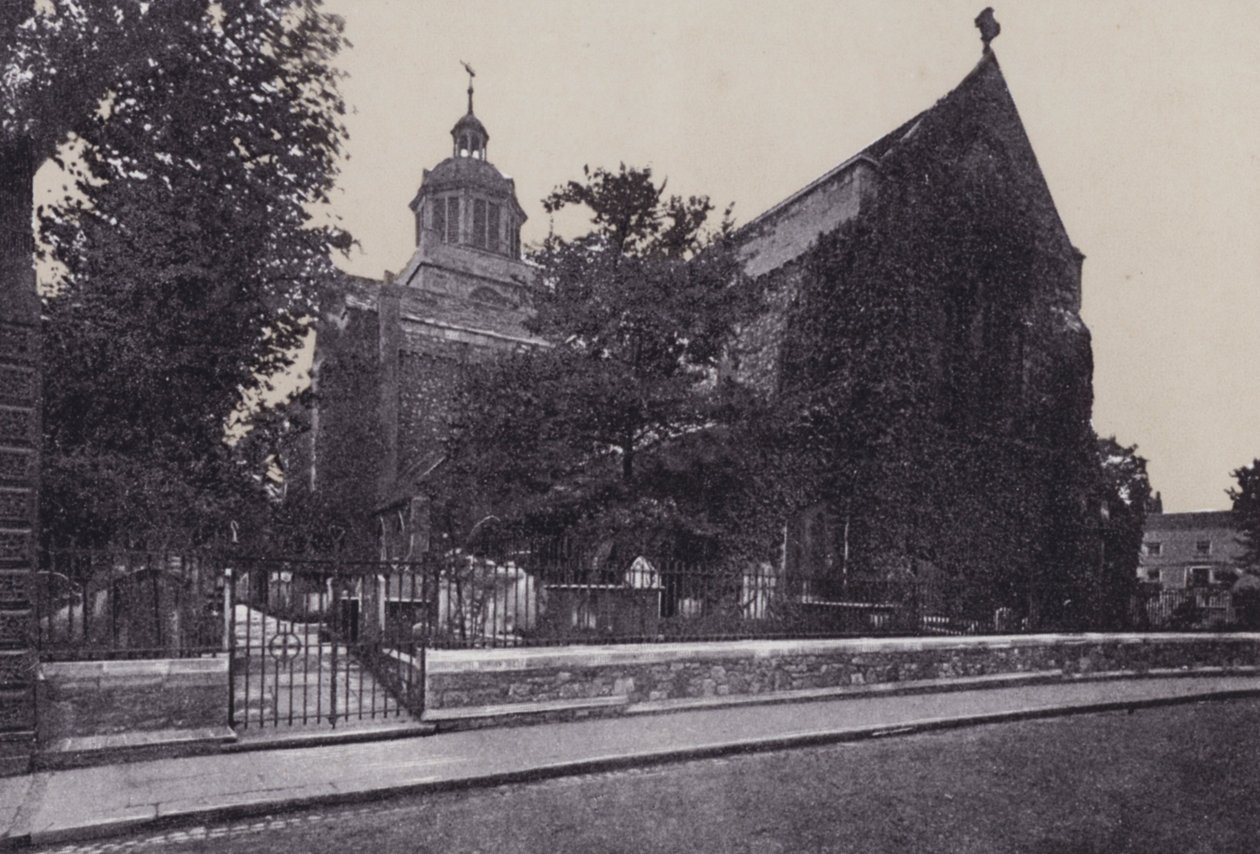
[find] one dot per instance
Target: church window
(492, 228)
(452, 219)
(439, 217)
(479, 223)
(516, 242)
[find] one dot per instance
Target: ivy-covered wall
(932, 365)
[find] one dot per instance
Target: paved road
(111, 799)
(1173, 779)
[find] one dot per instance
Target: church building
(937, 252)
(949, 213)
(388, 352)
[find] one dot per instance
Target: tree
(1124, 494)
(639, 312)
(58, 60)
(192, 267)
(1246, 509)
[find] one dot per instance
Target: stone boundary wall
(477, 687)
(104, 698)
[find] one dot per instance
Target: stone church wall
(427, 377)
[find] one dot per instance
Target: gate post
(334, 635)
(229, 639)
(20, 403)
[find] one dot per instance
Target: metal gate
(324, 643)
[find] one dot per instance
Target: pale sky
(1145, 117)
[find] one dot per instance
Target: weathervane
(986, 23)
(472, 74)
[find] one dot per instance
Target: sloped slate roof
(1189, 521)
(981, 109)
(984, 84)
(466, 313)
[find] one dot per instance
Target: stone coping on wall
(134, 672)
(441, 661)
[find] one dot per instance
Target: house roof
(1207, 538)
(408, 482)
(1199, 521)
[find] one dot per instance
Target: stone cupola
(466, 202)
(469, 134)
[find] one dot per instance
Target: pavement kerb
(114, 827)
(353, 736)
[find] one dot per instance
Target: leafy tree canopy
(1125, 490)
(60, 58)
(192, 262)
(1246, 507)
(638, 311)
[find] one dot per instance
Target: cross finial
(988, 26)
(471, 75)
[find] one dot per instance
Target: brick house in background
(1190, 550)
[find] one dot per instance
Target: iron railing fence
(127, 604)
(523, 594)
(1211, 608)
(553, 595)
(117, 604)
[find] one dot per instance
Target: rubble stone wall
(83, 698)
(469, 684)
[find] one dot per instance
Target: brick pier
(20, 389)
